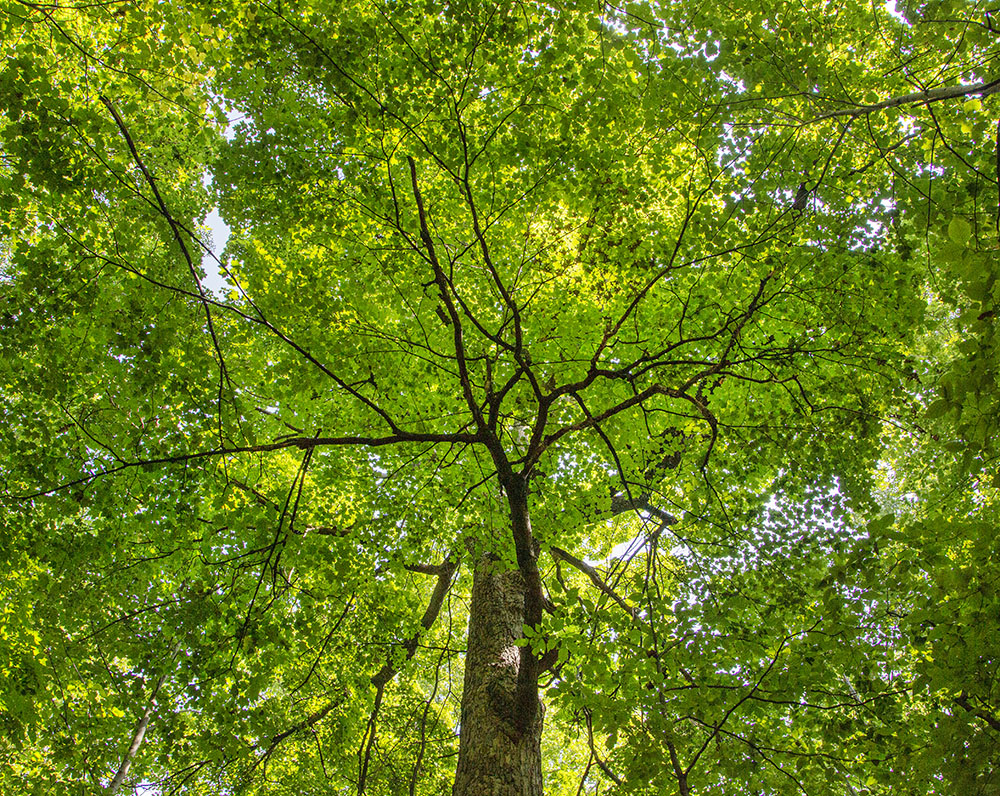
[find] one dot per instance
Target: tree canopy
(670, 326)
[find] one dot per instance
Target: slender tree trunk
(496, 756)
(140, 728)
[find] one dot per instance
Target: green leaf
(959, 230)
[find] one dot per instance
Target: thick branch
(963, 701)
(488, 261)
(621, 503)
(444, 572)
(303, 443)
(140, 728)
(914, 98)
(679, 771)
(525, 704)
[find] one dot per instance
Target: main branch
(914, 98)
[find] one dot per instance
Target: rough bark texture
(495, 758)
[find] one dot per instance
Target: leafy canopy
(717, 284)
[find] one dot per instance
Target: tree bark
(140, 728)
(498, 754)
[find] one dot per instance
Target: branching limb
(963, 701)
(303, 443)
(368, 739)
(142, 725)
(179, 231)
(258, 319)
(444, 572)
(425, 713)
(288, 511)
(914, 98)
(559, 554)
(319, 656)
(380, 679)
(593, 751)
(441, 281)
(638, 399)
(176, 229)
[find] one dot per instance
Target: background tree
(567, 364)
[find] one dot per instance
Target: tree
(596, 329)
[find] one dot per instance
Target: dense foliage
(714, 286)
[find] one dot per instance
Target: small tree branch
(368, 739)
(307, 722)
(176, 230)
(717, 727)
(430, 569)
(441, 281)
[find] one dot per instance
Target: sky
(219, 236)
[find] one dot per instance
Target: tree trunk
(140, 728)
(496, 756)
